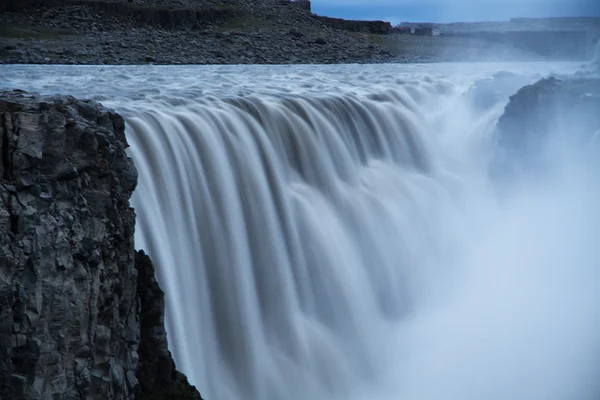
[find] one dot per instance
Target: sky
(397, 11)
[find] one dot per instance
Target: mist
(430, 284)
(517, 315)
(523, 324)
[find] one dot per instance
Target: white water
(331, 232)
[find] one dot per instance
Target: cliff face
(550, 108)
(69, 306)
(159, 380)
(375, 27)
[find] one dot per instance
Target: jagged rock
(549, 108)
(68, 306)
(70, 323)
(157, 374)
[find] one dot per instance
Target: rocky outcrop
(549, 108)
(402, 30)
(168, 18)
(302, 3)
(67, 286)
(70, 324)
(375, 27)
(424, 31)
(157, 374)
(17, 5)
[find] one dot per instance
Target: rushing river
(331, 232)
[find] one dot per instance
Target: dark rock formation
(168, 18)
(157, 374)
(302, 3)
(69, 307)
(67, 288)
(376, 27)
(402, 30)
(17, 5)
(424, 31)
(549, 108)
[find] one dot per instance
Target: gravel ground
(78, 34)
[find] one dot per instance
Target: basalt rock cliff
(551, 106)
(78, 307)
(562, 109)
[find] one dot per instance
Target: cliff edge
(540, 114)
(74, 296)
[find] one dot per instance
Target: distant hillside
(555, 38)
(264, 32)
(179, 31)
(588, 24)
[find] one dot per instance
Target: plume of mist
(520, 317)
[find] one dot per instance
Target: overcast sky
(453, 10)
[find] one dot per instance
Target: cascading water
(305, 223)
(324, 238)
(297, 234)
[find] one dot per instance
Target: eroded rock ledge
(75, 313)
(550, 106)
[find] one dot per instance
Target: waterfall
(331, 232)
(350, 246)
(288, 231)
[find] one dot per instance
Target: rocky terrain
(81, 315)
(252, 31)
(263, 32)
